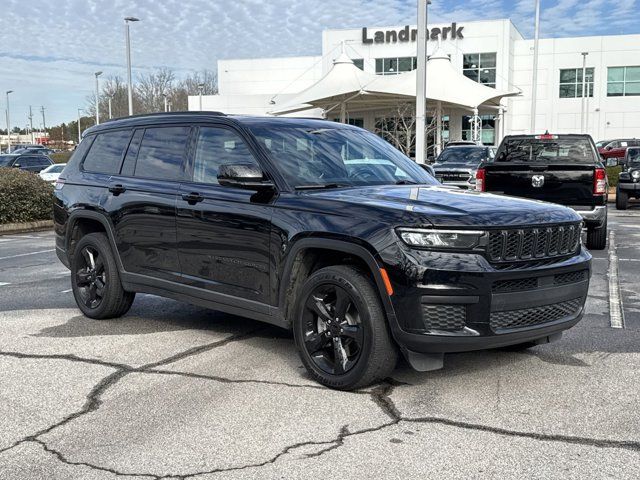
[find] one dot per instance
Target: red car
(616, 148)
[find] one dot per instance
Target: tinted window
(215, 147)
(471, 155)
(548, 151)
(161, 152)
(106, 152)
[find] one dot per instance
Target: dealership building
(493, 53)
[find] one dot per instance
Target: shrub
(613, 173)
(60, 157)
(24, 197)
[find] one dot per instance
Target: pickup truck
(564, 169)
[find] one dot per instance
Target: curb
(9, 228)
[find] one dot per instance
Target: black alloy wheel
(90, 277)
(333, 334)
(340, 328)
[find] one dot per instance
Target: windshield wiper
(321, 186)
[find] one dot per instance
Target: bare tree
(115, 88)
(190, 86)
(398, 127)
(152, 87)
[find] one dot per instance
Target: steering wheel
(365, 174)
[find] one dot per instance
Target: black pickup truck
(564, 169)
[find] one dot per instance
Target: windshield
(334, 157)
(469, 155)
(559, 150)
(602, 143)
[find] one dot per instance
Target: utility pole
(44, 123)
(534, 80)
(421, 83)
(33, 137)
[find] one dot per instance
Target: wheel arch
(309, 254)
(82, 222)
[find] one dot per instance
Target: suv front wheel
(95, 280)
(341, 331)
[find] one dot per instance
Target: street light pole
(44, 123)
(166, 102)
(97, 74)
(8, 123)
(200, 89)
(582, 101)
(421, 83)
(79, 130)
(127, 20)
(534, 79)
(110, 97)
(33, 138)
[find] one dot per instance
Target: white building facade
(490, 52)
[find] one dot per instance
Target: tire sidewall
(352, 377)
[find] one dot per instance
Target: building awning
(346, 84)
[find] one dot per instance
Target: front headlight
(441, 239)
(635, 174)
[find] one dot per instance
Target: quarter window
(215, 147)
(480, 67)
(395, 65)
(623, 81)
(571, 82)
(105, 154)
(161, 153)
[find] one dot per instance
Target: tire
(98, 291)
(622, 200)
(358, 340)
(597, 237)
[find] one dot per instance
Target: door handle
(192, 198)
(117, 189)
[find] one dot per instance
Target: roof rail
(159, 114)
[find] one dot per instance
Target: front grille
(571, 277)
(528, 317)
(449, 318)
(515, 285)
(454, 176)
(533, 244)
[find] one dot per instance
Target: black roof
(249, 121)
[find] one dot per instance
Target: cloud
(50, 49)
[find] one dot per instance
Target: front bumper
(459, 302)
(629, 187)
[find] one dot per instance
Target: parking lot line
(2, 284)
(616, 312)
(26, 254)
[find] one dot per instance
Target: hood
(414, 205)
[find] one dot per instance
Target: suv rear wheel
(341, 331)
(95, 279)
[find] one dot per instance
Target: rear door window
(161, 153)
(105, 155)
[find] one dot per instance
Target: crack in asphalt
(380, 395)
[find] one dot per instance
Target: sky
(49, 49)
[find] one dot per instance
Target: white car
(51, 174)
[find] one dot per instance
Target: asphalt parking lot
(175, 391)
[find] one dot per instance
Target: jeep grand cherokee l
(317, 227)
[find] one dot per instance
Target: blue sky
(49, 49)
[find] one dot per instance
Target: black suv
(30, 162)
(318, 227)
(628, 183)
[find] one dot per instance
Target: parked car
(52, 172)
(457, 165)
(30, 162)
(628, 186)
(318, 227)
(616, 149)
(39, 151)
(563, 169)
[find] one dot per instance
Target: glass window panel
(472, 74)
(615, 89)
(414, 63)
(615, 74)
(632, 74)
(215, 147)
(632, 89)
(107, 151)
(488, 60)
(404, 64)
(470, 60)
(568, 75)
(488, 75)
(567, 91)
(379, 65)
(359, 62)
(161, 153)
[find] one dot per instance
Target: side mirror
(612, 162)
(16, 165)
(608, 147)
(243, 175)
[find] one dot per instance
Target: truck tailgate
(567, 184)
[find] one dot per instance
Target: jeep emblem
(537, 181)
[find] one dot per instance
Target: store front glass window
(623, 82)
(395, 65)
(488, 134)
(480, 67)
